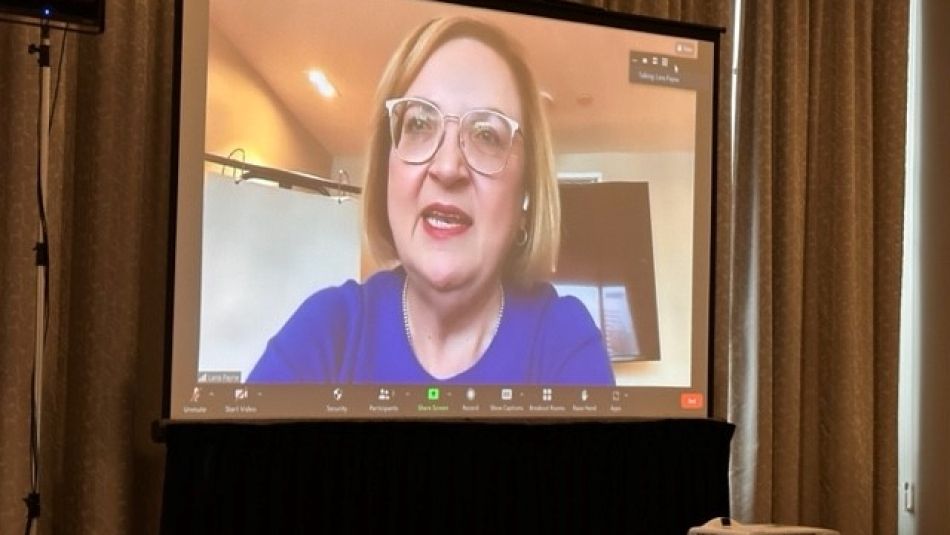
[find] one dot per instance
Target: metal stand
(42, 263)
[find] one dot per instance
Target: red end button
(691, 400)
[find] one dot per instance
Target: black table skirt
(652, 477)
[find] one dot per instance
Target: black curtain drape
(653, 477)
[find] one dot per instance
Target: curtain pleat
(818, 200)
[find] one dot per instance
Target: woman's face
(453, 226)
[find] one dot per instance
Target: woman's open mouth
(445, 221)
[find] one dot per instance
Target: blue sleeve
(574, 347)
(309, 348)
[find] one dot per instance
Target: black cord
(59, 75)
(42, 248)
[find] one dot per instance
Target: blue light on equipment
(47, 11)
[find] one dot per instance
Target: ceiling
(585, 69)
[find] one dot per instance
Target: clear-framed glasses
(417, 127)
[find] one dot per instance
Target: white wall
(264, 251)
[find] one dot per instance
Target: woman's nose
(448, 164)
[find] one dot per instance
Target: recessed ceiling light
(320, 81)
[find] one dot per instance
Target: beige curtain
(107, 205)
(816, 273)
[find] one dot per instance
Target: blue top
(354, 333)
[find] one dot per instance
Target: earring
(522, 237)
(525, 203)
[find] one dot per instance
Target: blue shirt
(354, 333)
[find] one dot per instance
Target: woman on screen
(460, 195)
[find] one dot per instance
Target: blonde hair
(527, 263)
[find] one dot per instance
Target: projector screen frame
(549, 9)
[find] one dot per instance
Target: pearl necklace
(405, 313)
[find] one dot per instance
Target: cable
(59, 74)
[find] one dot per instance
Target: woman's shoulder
(352, 292)
(566, 341)
(321, 336)
(540, 308)
(343, 307)
(542, 297)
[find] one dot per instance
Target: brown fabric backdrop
(806, 332)
(107, 206)
(819, 213)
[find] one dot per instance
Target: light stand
(42, 264)
(87, 17)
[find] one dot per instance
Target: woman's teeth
(446, 221)
(438, 222)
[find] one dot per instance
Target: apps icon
(432, 394)
(546, 394)
(506, 394)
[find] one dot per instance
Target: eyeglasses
(417, 127)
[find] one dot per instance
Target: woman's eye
(419, 120)
(485, 135)
(418, 124)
